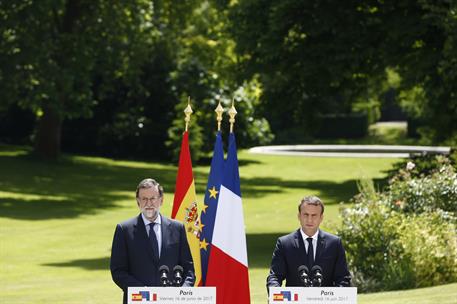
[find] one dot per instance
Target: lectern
(171, 295)
(313, 295)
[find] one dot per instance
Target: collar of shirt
(158, 220)
(157, 228)
(314, 237)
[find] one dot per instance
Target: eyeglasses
(145, 200)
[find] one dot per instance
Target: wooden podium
(313, 295)
(171, 295)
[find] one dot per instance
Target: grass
(431, 295)
(57, 219)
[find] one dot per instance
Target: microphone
(177, 275)
(303, 275)
(163, 274)
(316, 272)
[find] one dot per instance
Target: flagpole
(187, 111)
(232, 113)
(219, 111)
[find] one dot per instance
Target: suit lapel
(297, 239)
(165, 227)
(320, 246)
(300, 246)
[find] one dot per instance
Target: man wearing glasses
(141, 245)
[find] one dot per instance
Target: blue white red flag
(228, 262)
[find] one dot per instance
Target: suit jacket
(290, 253)
(132, 258)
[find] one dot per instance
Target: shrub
(422, 165)
(437, 191)
(406, 236)
(429, 244)
(369, 232)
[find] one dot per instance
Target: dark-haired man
(141, 245)
(309, 246)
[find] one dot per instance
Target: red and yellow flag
(185, 207)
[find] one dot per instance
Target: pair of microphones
(311, 278)
(177, 279)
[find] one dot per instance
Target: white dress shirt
(314, 237)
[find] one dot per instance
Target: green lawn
(57, 219)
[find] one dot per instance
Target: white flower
(410, 166)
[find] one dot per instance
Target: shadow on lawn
(88, 264)
(333, 191)
(37, 190)
(42, 209)
(260, 249)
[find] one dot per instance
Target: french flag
(228, 261)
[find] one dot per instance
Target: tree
(316, 57)
(109, 74)
(51, 51)
(207, 71)
(312, 57)
(423, 50)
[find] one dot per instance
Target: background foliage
(106, 77)
(320, 57)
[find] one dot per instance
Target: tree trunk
(49, 129)
(47, 141)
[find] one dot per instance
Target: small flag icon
(140, 296)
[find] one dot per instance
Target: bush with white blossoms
(405, 236)
(434, 192)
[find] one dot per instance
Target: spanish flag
(185, 205)
(278, 297)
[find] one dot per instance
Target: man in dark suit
(309, 246)
(141, 245)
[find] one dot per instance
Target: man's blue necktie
(154, 243)
(310, 253)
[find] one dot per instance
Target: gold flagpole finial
(187, 111)
(219, 111)
(232, 112)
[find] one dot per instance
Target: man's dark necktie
(310, 253)
(154, 243)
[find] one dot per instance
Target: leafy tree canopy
(321, 56)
